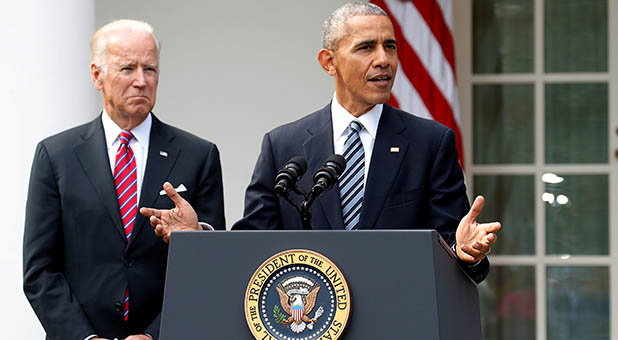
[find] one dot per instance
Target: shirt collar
(342, 118)
(140, 132)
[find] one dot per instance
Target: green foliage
(279, 317)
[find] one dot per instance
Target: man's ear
(326, 58)
(96, 74)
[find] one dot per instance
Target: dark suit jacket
(77, 262)
(421, 186)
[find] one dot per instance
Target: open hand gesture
(474, 239)
(181, 217)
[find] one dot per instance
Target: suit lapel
(317, 149)
(92, 155)
(157, 170)
(384, 166)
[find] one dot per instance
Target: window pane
(577, 303)
(508, 303)
(503, 36)
(510, 200)
(576, 36)
(503, 123)
(577, 215)
(576, 123)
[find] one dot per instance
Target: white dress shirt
(341, 128)
(139, 145)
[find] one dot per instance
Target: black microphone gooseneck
(324, 179)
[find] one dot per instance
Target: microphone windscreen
(339, 163)
(300, 162)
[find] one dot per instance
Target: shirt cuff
(205, 226)
(454, 248)
(467, 264)
(91, 336)
(148, 335)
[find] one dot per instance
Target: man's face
(129, 85)
(365, 63)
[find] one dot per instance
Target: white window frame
(462, 10)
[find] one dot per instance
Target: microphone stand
(305, 207)
(305, 215)
(304, 211)
(328, 173)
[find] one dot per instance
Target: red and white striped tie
(125, 179)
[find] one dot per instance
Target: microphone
(324, 179)
(327, 175)
(288, 176)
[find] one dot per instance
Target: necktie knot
(356, 126)
(125, 137)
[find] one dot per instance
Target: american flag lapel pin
(394, 149)
(163, 153)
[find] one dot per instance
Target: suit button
(128, 263)
(118, 307)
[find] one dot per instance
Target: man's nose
(382, 58)
(140, 78)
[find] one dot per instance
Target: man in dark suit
(93, 269)
(407, 175)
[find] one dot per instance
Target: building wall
(45, 88)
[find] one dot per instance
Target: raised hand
(181, 217)
(474, 239)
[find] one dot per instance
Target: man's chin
(382, 99)
(140, 109)
(139, 113)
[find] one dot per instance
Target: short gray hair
(98, 43)
(335, 26)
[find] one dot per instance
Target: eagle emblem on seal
(297, 296)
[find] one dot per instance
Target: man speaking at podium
(402, 171)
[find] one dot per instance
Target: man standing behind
(92, 270)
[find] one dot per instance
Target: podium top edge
(431, 231)
(434, 233)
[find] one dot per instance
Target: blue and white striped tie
(351, 182)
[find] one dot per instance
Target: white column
(45, 88)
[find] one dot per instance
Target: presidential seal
(297, 295)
